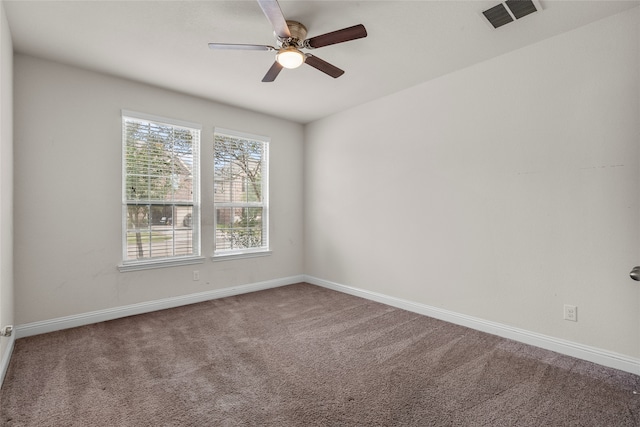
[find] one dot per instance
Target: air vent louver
(509, 11)
(498, 15)
(521, 8)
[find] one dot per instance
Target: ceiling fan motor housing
(298, 35)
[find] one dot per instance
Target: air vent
(509, 11)
(498, 15)
(521, 8)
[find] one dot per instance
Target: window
(241, 193)
(161, 182)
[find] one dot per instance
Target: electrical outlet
(570, 313)
(196, 275)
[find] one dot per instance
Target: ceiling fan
(290, 38)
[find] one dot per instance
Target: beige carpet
(301, 355)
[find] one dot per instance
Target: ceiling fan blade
(340, 36)
(272, 73)
(232, 46)
(323, 66)
(272, 11)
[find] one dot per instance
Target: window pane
(138, 216)
(239, 228)
(221, 191)
(137, 243)
(183, 241)
(249, 228)
(184, 217)
(224, 227)
(253, 188)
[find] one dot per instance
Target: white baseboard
(73, 321)
(6, 358)
(591, 354)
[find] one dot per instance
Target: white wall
(6, 183)
(502, 191)
(68, 193)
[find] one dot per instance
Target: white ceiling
(164, 43)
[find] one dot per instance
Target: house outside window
(161, 190)
(241, 193)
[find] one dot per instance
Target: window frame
(265, 249)
(196, 247)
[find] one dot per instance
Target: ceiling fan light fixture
(290, 57)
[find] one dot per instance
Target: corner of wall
(6, 189)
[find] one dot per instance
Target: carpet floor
(302, 355)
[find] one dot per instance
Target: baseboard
(66, 322)
(6, 358)
(591, 354)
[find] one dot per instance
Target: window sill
(148, 265)
(232, 256)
